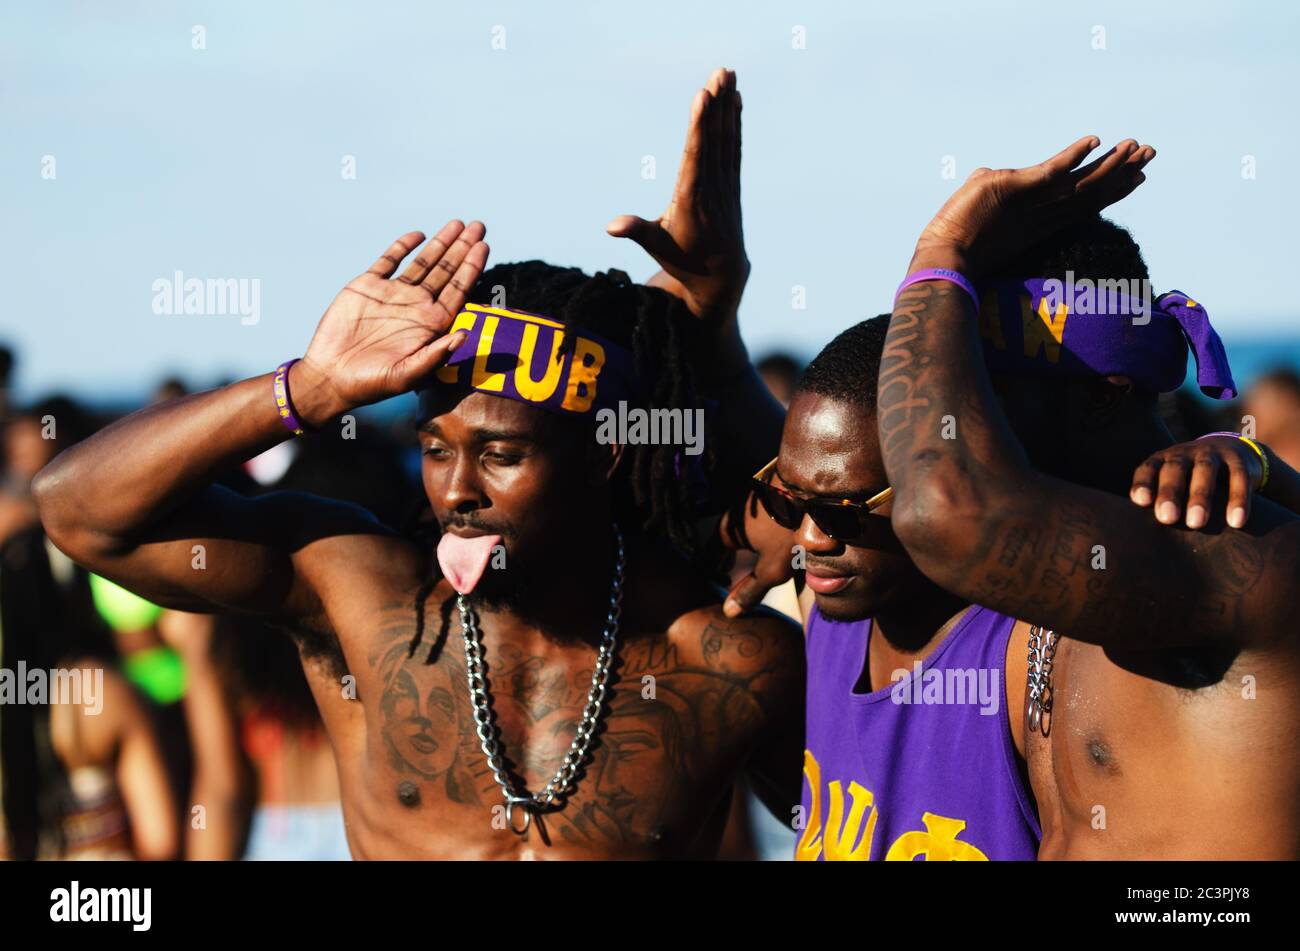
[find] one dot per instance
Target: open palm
(381, 337)
(699, 241)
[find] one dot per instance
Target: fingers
(390, 259)
(745, 596)
(445, 267)
(1065, 160)
(650, 235)
(421, 364)
(1172, 489)
(721, 146)
(1143, 489)
(688, 173)
(431, 253)
(455, 289)
(736, 150)
(1113, 176)
(1124, 185)
(1240, 492)
(1200, 493)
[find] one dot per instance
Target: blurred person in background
(780, 371)
(296, 811)
(32, 437)
(82, 778)
(170, 388)
(6, 379)
(1274, 403)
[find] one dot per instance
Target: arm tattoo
(1025, 544)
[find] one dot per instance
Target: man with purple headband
(916, 713)
(559, 682)
(1161, 716)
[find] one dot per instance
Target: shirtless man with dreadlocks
(558, 682)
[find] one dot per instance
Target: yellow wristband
(1263, 460)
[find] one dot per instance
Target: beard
(842, 611)
(512, 587)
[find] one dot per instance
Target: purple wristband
(939, 274)
(284, 405)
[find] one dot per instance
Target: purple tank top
(915, 769)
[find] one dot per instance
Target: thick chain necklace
(490, 736)
(1042, 653)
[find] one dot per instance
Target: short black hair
(848, 366)
(1096, 249)
(651, 490)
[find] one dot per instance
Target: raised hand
(997, 214)
(383, 336)
(774, 566)
(699, 241)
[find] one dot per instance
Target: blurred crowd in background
(207, 744)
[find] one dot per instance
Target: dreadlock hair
(848, 366)
(650, 487)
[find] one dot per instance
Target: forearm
(1283, 483)
(943, 437)
(746, 419)
(133, 472)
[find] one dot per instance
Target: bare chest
(1139, 745)
(669, 739)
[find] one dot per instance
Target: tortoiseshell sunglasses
(841, 519)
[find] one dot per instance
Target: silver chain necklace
(1042, 653)
(490, 736)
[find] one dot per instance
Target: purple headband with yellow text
(522, 356)
(1085, 329)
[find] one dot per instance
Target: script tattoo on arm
(983, 524)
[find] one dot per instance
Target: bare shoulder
(88, 729)
(762, 651)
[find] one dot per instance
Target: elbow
(939, 517)
(62, 510)
(49, 497)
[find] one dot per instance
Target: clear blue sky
(225, 162)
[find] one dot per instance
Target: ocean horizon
(1248, 357)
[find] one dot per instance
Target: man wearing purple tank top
(914, 733)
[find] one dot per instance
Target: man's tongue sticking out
(463, 560)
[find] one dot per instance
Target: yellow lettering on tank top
(838, 838)
(581, 372)
(1044, 329)
(810, 845)
(938, 843)
(538, 391)
(464, 321)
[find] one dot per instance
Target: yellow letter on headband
(583, 374)
(501, 356)
(538, 391)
